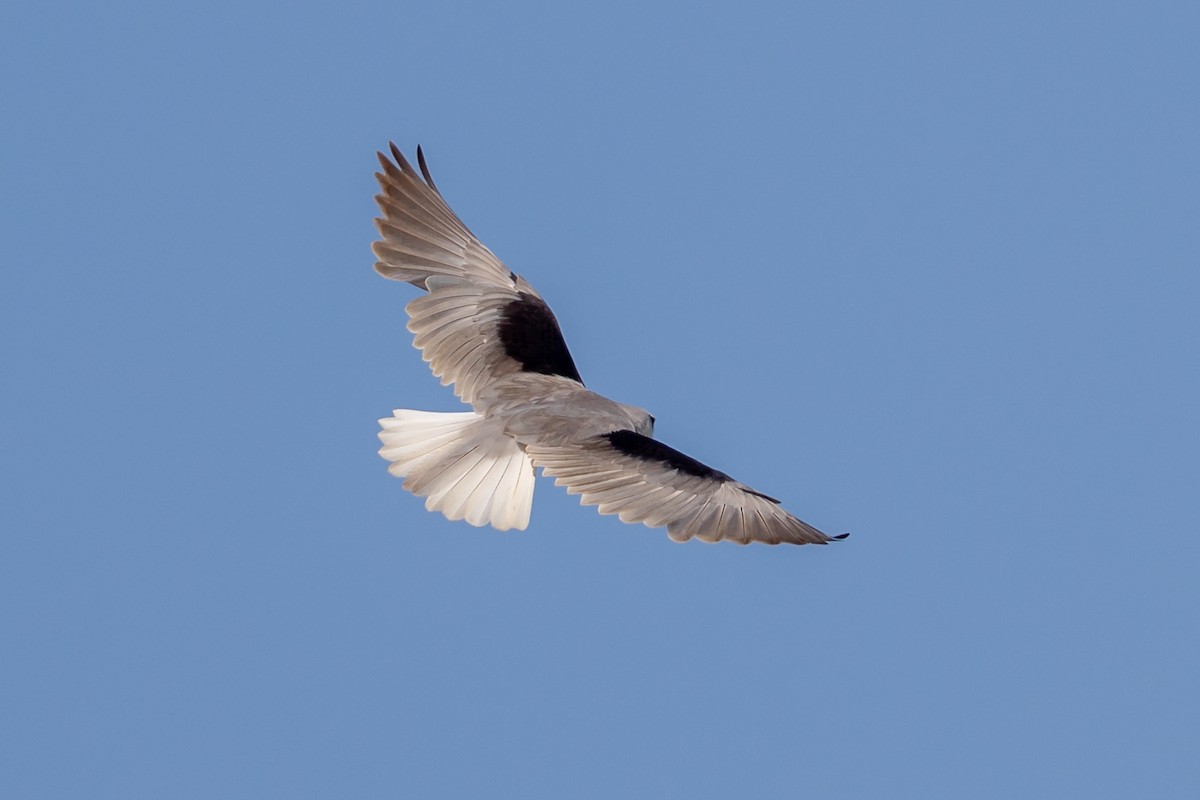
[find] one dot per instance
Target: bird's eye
(651, 419)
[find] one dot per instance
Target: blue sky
(926, 271)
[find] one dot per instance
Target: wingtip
(400, 160)
(425, 169)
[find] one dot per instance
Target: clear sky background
(929, 272)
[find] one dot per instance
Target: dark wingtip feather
(400, 159)
(839, 537)
(425, 169)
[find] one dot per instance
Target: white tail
(464, 465)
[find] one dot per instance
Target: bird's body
(485, 329)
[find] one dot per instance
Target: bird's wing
(479, 321)
(643, 480)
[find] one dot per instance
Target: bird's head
(642, 420)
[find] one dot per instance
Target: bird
(486, 330)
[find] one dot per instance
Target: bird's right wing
(480, 321)
(643, 480)
(421, 236)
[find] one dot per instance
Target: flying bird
(485, 329)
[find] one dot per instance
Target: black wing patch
(643, 447)
(647, 449)
(531, 337)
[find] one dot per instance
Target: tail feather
(463, 464)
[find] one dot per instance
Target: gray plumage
(487, 331)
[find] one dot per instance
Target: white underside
(463, 464)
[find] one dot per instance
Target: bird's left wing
(643, 480)
(480, 321)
